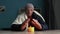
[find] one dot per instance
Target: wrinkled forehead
(29, 5)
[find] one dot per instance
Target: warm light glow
(30, 29)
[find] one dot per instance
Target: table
(36, 32)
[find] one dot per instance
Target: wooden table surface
(36, 32)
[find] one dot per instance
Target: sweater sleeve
(40, 20)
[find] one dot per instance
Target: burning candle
(30, 29)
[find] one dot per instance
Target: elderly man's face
(29, 11)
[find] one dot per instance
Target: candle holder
(30, 29)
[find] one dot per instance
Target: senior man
(29, 18)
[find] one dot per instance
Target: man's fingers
(28, 19)
(35, 20)
(32, 21)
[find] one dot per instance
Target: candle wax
(30, 29)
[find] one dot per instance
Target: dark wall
(56, 5)
(12, 7)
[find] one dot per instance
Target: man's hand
(27, 20)
(33, 20)
(25, 23)
(36, 24)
